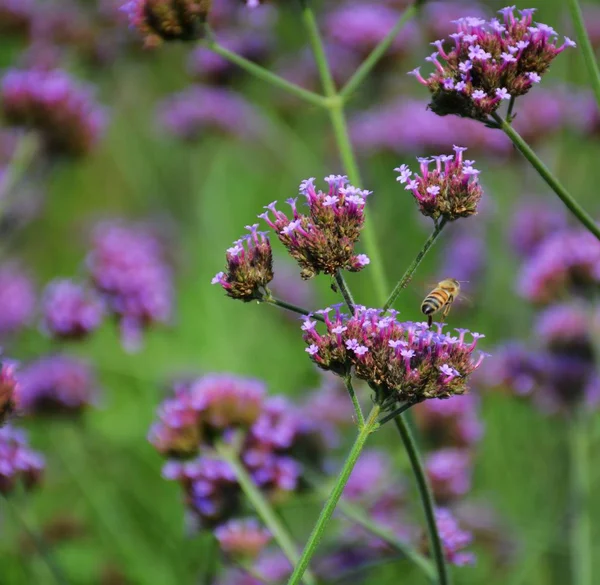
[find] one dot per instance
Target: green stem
(550, 179)
(288, 306)
(335, 105)
(581, 537)
(265, 74)
(427, 500)
(345, 290)
(24, 154)
(40, 544)
(585, 46)
(334, 497)
(407, 276)
(361, 518)
(376, 54)
(360, 418)
(396, 413)
(264, 509)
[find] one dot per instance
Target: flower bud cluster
(249, 267)
(276, 436)
(488, 62)
(406, 361)
(449, 191)
(18, 463)
(167, 20)
(323, 240)
(64, 112)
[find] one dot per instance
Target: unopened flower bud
(249, 267)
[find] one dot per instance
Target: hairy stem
(427, 501)
(407, 276)
(265, 74)
(360, 418)
(264, 510)
(585, 46)
(580, 530)
(547, 175)
(334, 497)
(345, 290)
(376, 54)
(271, 300)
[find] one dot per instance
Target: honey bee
(440, 299)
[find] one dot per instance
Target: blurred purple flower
(128, 268)
(65, 112)
(56, 384)
(9, 390)
(16, 16)
(242, 539)
(453, 538)
(17, 299)
(565, 326)
(533, 220)
(70, 310)
(17, 461)
(191, 114)
(449, 472)
(370, 477)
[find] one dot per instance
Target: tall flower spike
(488, 62)
(323, 240)
(167, 20)
(449, 190)
(405, 361)
(249, 267)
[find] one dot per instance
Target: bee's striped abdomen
(434, 301)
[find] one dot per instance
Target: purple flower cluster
(128, 268)
(56, 384)
(449, 472)
(18, 463)
(17, 299)
(249, 268)
(16, 16)
(454, 539)
(566, 261)
(192, 113)
(167, 20)
(70, 311)
(489, 62)
(449, 191)
(242, 539)
(63, 111)
(323, 240)
(276, 437)
(405, 361)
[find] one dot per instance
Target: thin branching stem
(334, 497)
(264, 509)
(376, 54)
(427, 501)
(396, 413)
(407, 276)
(583, 216)
(345, 290)
(585, 46)
(360, 418)
(271, 300)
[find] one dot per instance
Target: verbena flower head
(8, 390)
(406, 361)
(452, 422)
(128, 268)
(17, 299)
(249, 267)
(167, 20)
(204, 409)
(449, 472)
(449, 191)
(190, 114)
(18, 463)
(56, 384)
(242, 539)
(212, 493)
(323, 240)
(63, 111)
(70, 310)
(566, 262)
(454, 539)
(486, 63)
(566, 327)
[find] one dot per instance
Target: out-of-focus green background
(107, 476)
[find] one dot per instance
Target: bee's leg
(446, 310)
(430, 320)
